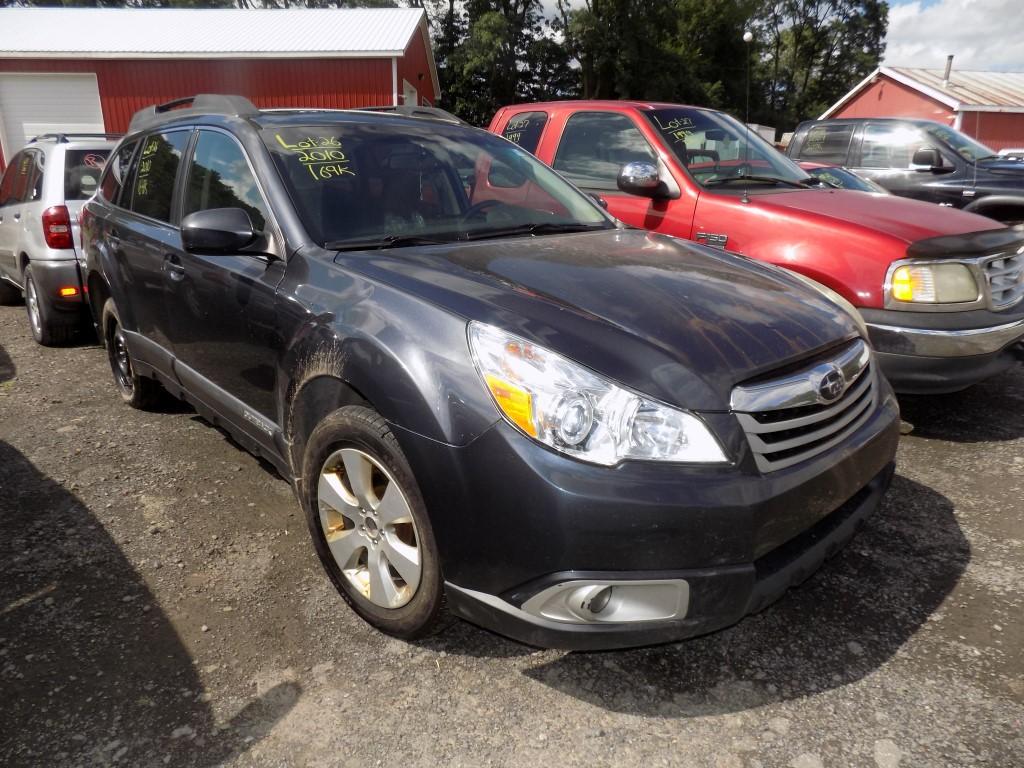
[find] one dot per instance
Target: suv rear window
(155, 172)
(82, 170)
(525, 129)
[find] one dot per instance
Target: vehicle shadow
(92, 671)
(992, 410)
(7, 368)
(837, 628)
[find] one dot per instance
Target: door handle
(173, 267)
(17, 217)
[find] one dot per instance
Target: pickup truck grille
(1005, 275)
(797, 416)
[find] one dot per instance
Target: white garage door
(35, 104)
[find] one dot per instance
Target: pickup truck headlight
(942, 283)
(574, 410)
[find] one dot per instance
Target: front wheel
(369, 524)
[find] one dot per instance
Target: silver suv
(41, 196)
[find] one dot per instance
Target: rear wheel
(45, 329)
(369, 523)
(138, 391)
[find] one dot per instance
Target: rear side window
(22, 179)
(827, 143)
(595, 146)
(155, 171)
(117, 172)
(220, 177)
(525, 129)
(34, 181)
(7, 183)
(82, 170)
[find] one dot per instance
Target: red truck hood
(907, 220)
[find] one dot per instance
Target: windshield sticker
(322, 156)
(678, 128)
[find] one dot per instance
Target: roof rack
(200, 104)
(65, 137)
(409, 110)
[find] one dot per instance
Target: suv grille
(793, 418)
(1005, 274)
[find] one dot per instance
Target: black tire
(364, 429)
(138, 391)
(8, 294)
(45, 329)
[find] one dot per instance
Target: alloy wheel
(368, 524)
(32, 303)
(121, 362)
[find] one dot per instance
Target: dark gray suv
(482, 387)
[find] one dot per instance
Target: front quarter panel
(409, 359)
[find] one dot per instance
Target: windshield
(716, 149)
(840, 178)
(968, 148)
(387, 185)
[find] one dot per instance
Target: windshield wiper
(378, 243)
(543, 228)
(765, 179)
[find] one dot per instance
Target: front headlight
(573, 410)
(943, 283)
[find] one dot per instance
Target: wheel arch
(998, 207)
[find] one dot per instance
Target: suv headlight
(573, 410)
(941, 283)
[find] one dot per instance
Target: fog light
(611, 602)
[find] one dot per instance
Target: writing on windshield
(322, 156)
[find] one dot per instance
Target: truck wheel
(40, 316)
(138, 391)
(369, 524)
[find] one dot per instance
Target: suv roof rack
(428, 113)
(65, 137)
(200, 104)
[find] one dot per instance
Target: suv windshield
(968, 148)
(358, 185)
(82, 169)
(717, 150)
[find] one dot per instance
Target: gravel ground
(160, 604)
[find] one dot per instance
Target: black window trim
(662, 165)
(271, 231)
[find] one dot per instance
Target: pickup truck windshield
(966, 147)
(377, 185)
(717, 150)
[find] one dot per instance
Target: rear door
(148, 240)
(222, 306)
(12, 185)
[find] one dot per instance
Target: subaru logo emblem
(832, 385)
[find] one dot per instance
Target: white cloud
(981, 34)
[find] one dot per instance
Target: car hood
(898, 217)
(1011, 167)
(671, 319)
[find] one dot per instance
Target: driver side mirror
(217, 230)
(640, 178)
(926, 159)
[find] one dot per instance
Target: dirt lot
(160, 605)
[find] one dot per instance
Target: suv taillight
(57, 227)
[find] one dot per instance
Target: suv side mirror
(217, 230)
(926, 159)
(640, 178)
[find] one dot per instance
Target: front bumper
(943, 357)
(512, 519)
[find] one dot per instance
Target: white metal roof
(204, 33)
(965, 91)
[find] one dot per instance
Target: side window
(219, 177)
(7, 183)
(34, 182)
(16, 180)
(155, 171)
(117, 173)
(827, 143)
(595, 146)
(525, 129)
(890, 145)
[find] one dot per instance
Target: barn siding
(127, 85)
(415, 67)
(887, 98)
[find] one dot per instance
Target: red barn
(986, 105)
(90, 69)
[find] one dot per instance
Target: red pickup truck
(941, 291)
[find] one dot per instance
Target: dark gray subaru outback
(483, 388)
